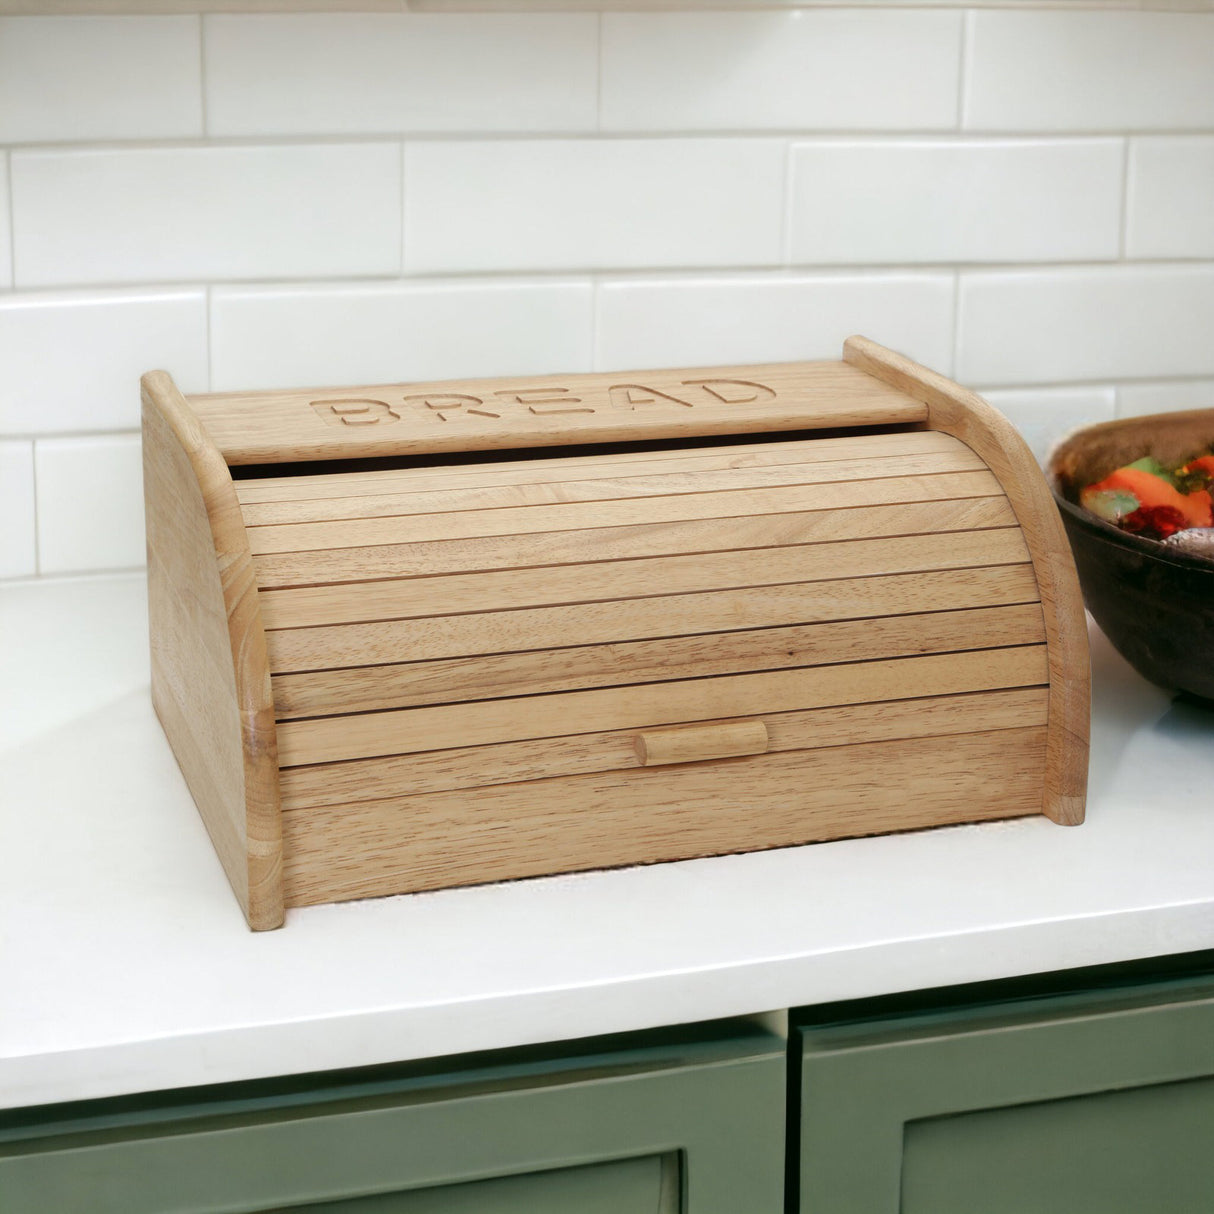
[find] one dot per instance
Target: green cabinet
(688, 1122)
(1097, 1102)
(1088, 1093)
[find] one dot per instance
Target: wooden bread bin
(747, 607)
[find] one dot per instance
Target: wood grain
(578, 516)
(492, 676)
(626, 817)
(513, 762)
(697, 743)
(504, 590)
(542, 467)
(286, 569)
(607, 488)
(210, 674)
(956, 411)
(325, 739)
(541, 411)
(332, 646)
(491, 667)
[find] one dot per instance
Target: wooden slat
(577, 516)
(326, 739)
(331, 646)
(343, 565)
(551, 410)
(514, 762)
(667, 484)
(493, 676)
(507, 589)
(538, 468)
(605, 819)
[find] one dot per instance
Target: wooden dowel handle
(692, 743)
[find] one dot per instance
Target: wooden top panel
(546, 410)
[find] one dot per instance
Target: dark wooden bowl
(1155, 605)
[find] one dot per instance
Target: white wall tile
(18, 556)
(1172, 397)
(6, 231)
(770, 318)
(165, 214)
(90, 503)
(84, 77)
(1115, 322)
(73, 361)
(1045, 70)
(271, 337)
(956, 200)
(591, 204)
(351, 73)
(1171, 197)
(826, 68)
(1045, 415)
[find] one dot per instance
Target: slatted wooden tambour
(769, 605)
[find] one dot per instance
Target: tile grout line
(786, 216)
(208, 303)
(1126, 185)
(773, 271)
(34, 487)
(595, 291)
(404, 161)
(798, 134)
(12, 217)
(963, 69)
(202, 76)
(956, 324)
(598, 81)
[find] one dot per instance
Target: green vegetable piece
(1150, 464)
(1112, 505)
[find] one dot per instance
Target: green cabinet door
(1090, 1103)
(677, 1122)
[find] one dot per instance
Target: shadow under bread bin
(770, 605)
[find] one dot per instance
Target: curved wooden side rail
(966, 416)
(210, 672)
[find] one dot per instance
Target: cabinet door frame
(862, 1082)
(720, 1105)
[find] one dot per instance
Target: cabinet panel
(1096, 1103)
(685, 1120)
(632, 1186)
(1144, 1149)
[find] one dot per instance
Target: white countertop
(125, 963)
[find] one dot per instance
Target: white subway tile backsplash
(814, 68)
(18, 557)
(592, 204)
(914, 200)
(354, 73)
(99, 77)
(274, 337)
(90, 503)
(312, 196)
(762, 318)
(73, 361)
(1044, 70)
(1171, 197)
(1172, 397)
(168, 214)
(1045, 415)
(1099, 323)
